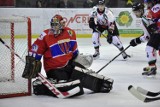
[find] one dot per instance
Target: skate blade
(126, 58)
(149, 76)
(94, 58)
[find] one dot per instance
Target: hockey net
(16, 33)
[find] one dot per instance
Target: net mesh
(15, 35)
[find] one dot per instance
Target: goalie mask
(57, 24)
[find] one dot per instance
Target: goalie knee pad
(92, 80)
(63, 86)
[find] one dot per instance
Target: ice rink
(124, 72)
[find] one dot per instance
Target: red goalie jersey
(56, 51)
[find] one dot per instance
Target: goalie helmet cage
(16, 33)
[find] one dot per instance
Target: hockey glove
(135, 42)
(32, 68)
(83, 61)
(92, 24)
(109, 38)
(111, 28)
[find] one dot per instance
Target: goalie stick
(148, 93)
(55, 90)
(50, 86)
(141, 97)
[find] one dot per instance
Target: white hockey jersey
(104, 19)
(145, 22)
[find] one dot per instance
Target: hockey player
(154, 6)
(101, 19)
(62, 62)
(151, 35)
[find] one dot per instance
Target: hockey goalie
(64, 66)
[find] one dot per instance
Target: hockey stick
(139, 96)
(148, 93)
(50, 86)
(11, 49)
(113, 59)
(54, 90)
(101, 33)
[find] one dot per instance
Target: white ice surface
(124, 73)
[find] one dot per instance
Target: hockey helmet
(101, 5)
(138, 9)
(101, 2)
(57, 23)
(137, 6)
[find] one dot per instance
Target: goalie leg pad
(92, 80)
(40, 89)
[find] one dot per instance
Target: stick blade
(139, 96)
(135, 93)
(148, 93)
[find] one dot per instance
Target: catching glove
(32, 68)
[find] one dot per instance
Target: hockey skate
(125, 56)
(150, 71)
(96, 55)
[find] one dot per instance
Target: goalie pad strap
(65, 84)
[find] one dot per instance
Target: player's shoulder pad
(106, 8)
(110, 15)
(43, 34)
(156, 8)
(94, 8)
(93, 12)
